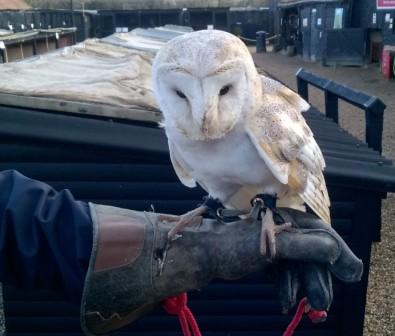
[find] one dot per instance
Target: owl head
(204, 83)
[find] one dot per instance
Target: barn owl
(234, 132)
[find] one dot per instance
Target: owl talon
(268, 234)
(187, 219)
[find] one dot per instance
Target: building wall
(147, 4)
(243, 22)
(370, 30)
(314, 20)
(364, 12)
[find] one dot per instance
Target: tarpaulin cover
(113, 72)
(150, 39)
(91, 71)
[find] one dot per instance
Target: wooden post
(332, 106)
(260, 42)
(21, 49)
(34, 42)
(57, 37)
(6, 54)
(303, 88)
(374, 127)
(366, 213)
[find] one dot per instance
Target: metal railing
(373, 106)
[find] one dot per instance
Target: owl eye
(180, 94)
(225, 90)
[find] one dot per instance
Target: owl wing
(287, 145)
(180, 167)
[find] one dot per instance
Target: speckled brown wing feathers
(286, 144)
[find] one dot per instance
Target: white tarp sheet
(115, 71)
(92, 72)
(151, 39)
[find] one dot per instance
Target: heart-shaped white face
(203, 82)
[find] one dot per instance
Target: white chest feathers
(225, 165)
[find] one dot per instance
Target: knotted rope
(177, 305)
(314, 315)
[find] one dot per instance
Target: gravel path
(380, 310)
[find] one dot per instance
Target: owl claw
(187, 219)
(268, 234)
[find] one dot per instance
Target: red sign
(385, 4)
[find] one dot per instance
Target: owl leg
(268, 233)
(184, 220)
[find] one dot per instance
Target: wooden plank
(66, 106)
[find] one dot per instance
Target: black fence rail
(373, 106)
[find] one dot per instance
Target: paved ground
(380, 314)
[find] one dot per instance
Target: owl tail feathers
(316, 197)
(291, 201)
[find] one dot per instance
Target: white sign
(305, 22)
(210, 27)
(2, 45)
(387, 17)
(385, 4)
(338, 21)
(57, 36)
(374, 18)
(125, 29)
(118, 29)
(32, 25)
(319, 22)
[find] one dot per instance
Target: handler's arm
(45, 236)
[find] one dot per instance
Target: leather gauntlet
(133, 268)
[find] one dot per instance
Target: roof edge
(290, 3)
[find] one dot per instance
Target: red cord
(315, 316)
(177, 305)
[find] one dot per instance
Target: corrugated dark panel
(217, 323)
(227, 333)
(109, 141)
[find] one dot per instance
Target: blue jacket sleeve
(45, 236)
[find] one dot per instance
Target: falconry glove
(134, 267)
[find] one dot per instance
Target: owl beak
(208, 121)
